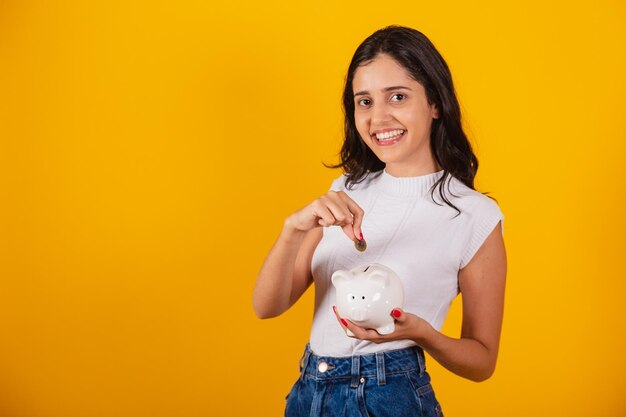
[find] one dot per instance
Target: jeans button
(322, 367)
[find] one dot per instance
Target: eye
(364, 102)
(399, 96)
(351, 297)
(363, 297)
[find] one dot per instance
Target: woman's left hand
(407, 326)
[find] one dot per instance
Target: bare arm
(482, 283)
(286, 273)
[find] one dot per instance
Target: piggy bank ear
(380, 278)
(340, 278)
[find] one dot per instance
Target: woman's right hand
(335, 208)
(286, 272)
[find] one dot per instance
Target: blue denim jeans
(392, 383)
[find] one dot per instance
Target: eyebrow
(395, 87)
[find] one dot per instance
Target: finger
(342, 214)
(337, 314)
(325, 217)
(350, 209)
(364, 334)
(343, 322)
(350, 328)
(349, 231)
(398, 314)
(358, 331)
(338, 208)
(357, 215)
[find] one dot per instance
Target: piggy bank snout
(359, 314)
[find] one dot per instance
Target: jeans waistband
(369, 365)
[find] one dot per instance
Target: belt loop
(356, 365)
(380, 368)
(421, 360)
(304, 361)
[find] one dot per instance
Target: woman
(407, 190)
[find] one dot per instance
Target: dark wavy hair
(448, 142)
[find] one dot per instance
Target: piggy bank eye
(363, 297)
(351, 297)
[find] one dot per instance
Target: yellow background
(149, 152)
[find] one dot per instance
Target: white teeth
(393, 134)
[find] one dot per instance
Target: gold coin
(360, 245)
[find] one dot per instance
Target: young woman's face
(393, 117)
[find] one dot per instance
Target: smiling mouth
(389, 138)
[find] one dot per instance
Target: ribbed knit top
(425, 243)
(406, 186)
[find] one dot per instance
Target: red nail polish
(361, 233)
(396, 313)
(345, 323)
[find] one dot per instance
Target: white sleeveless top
(424, 243)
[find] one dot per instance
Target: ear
(434, 111)
(340, 278)
(380, 278)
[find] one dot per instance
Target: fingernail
(345, 323)
(335, 309)
(396, 313)
(361, 233)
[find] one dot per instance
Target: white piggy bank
(367, 294)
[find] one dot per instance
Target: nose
(380, 114)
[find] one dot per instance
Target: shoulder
(339, 183)
(471, 201)
(480, 215)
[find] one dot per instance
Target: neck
(412, 170)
